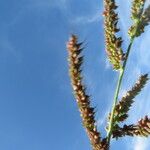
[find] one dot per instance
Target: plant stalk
(121, 74)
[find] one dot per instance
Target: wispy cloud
(87, 19)
(143, 51)
(49, 3)
(8, 48)
(102, 121)
(107, 64)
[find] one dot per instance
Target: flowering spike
(141, 18)
(137, 9)
(83, 100)
(113, 43)
(122, 108)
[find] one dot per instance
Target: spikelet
(113, 43)
(136, 13)
(83, 100)
(137, 9)
(141, 19)
(142, 129)
(122, 108)
(104, 145)
(126, 130)
(145, 20)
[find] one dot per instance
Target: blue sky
(37, 107)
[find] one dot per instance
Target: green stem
(117, 92)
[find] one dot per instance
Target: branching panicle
(118, 59)
(113, 43)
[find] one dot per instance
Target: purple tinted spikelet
(143, 127)
(113, 43)
(122, 108)
(83, 100)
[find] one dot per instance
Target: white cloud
(141, 144)
(144, 50)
